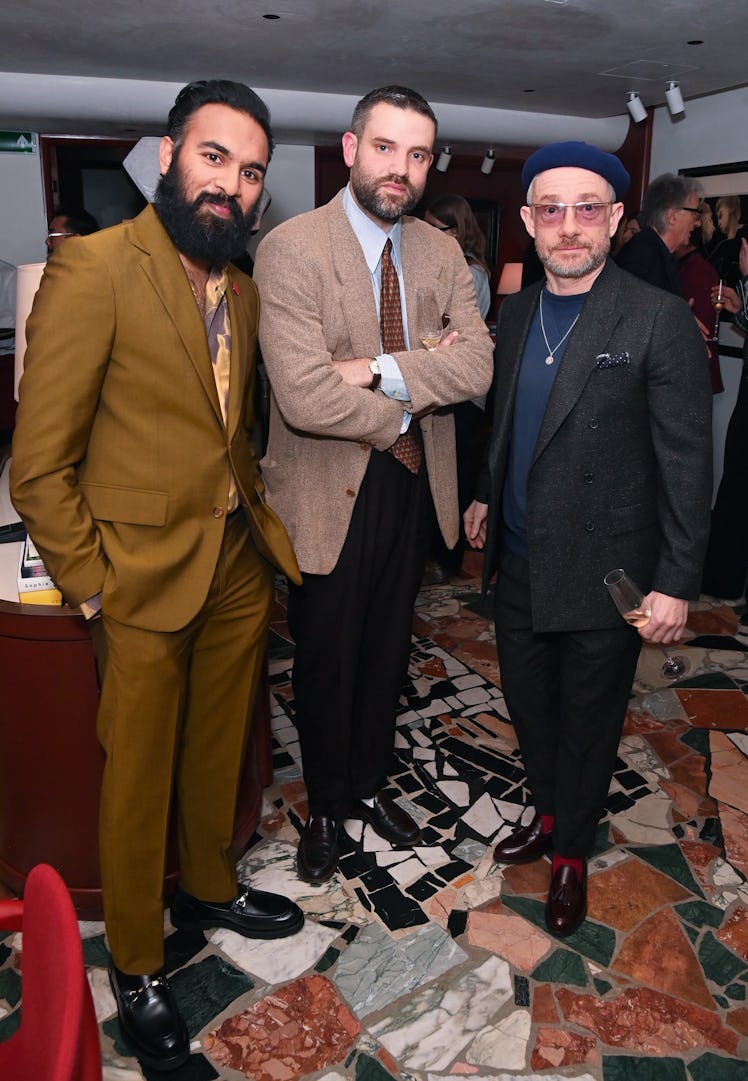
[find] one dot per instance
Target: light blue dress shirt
(372, 240)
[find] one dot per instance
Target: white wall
(290, 181)
(712, 132)
(23, 222)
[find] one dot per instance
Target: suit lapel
(599, 314)
(512, 334)
(352, 273)
(163, 268)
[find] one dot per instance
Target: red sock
(546, 823)
(576, 863)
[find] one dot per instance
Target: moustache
(218, 200)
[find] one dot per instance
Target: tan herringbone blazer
(318, 305)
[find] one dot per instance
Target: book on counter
(34, 583)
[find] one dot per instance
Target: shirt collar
(371, 236)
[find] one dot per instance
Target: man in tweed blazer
(359, 519)
(600, 458)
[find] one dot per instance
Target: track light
(635, 106)
(488, 162)
(444, 159)
(674, 98)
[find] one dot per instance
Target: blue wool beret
(580, 156)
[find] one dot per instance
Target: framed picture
(726, 194)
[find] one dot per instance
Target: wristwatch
(376, 374)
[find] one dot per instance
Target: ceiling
(571, 57)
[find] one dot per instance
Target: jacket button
(594, 424)
(589, 527)
(588, 478)
(218, 512)
(350, 492)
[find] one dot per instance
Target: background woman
(453, 215)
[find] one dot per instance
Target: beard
(596, 256)
(196, 232)
(380, 204)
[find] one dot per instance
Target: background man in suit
(351, 382)
(600, 458)
(64, 225)
(134, 471)
(670, 212)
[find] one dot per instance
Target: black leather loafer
(318, 852)
(524, 845)
(150, 1020)
(252, 913)
(566, 906)
(388, 820)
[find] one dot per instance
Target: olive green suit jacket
(121, 460)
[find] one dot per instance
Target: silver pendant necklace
(550, 358)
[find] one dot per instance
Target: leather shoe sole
(252, 913)
(149, 1020)
(566, 906)
(524, 845)
(388, 820)
(318, 852)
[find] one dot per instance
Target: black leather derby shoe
(150, 1020)
(566, 906)
(318, 852)
(524, 845)
(389, 820)
(252, 913)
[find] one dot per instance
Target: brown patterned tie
(408, 448)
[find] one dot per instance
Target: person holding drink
(600, 457)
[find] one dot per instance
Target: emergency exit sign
(17, 142)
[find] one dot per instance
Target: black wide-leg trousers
(352, 630)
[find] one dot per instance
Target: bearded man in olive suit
(134, 471)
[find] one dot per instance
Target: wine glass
(629, 600)
(718, 303)
(430, 323)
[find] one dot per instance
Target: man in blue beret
(600, 458)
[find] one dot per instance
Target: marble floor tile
(508, 936)
(625, 894)
(715, 709)
(438, 1022)
(376, 970)
(729, 773)
(659, 954)
(290, 1033)
(643, 1020)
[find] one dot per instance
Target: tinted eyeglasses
(555, 213)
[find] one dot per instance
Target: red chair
(58, 1038)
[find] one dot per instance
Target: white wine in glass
(629, 600)
(429, 320)
(718, 303)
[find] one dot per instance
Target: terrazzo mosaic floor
(434, 964)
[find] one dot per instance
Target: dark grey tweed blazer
(622, 471)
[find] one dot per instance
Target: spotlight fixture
(488, 162)
(674, 98)
(635, 106)
(444, 159)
